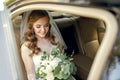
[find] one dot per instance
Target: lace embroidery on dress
(28, 62)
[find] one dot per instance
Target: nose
(42, 29)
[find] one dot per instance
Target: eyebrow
(40, 24)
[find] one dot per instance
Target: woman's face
(41, 27)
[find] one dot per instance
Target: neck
(40, 38)
(42, 41)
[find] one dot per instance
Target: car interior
(83, 35)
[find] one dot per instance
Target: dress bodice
(36, 58)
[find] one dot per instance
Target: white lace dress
(32, 64)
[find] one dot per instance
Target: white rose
(57, 60)
(51, 57)
(50, 76)
(36, 59)
(48, 69)
(54, 63)
(45, 62)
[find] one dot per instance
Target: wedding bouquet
(56, 66)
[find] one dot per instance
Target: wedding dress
(36, 59)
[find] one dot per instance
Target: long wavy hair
(30, 34)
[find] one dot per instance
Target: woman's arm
(28, 62)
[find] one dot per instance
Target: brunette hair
(30, 35)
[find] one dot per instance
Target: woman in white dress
(38, 38)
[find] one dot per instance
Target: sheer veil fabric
(54, 29)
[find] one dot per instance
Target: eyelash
(47, 25)
(38, 26)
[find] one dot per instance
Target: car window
(86, 35)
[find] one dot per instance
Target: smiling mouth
(42, 33)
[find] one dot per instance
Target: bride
(39, 33)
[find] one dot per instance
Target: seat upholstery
(90, 33)
(83, 64)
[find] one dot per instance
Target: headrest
(65, 22)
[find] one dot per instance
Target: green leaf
(38, 75)
(57, 71)
(62, 57)
(44, 56)
(72, 54)
(70, 78)
(65, 76)
(55, 51)
(62, 72)
(66, 68)
(57, 79)
(73, 68)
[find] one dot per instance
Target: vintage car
(91, 29)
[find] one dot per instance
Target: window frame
(106, 46)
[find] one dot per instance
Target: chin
(42, 36)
